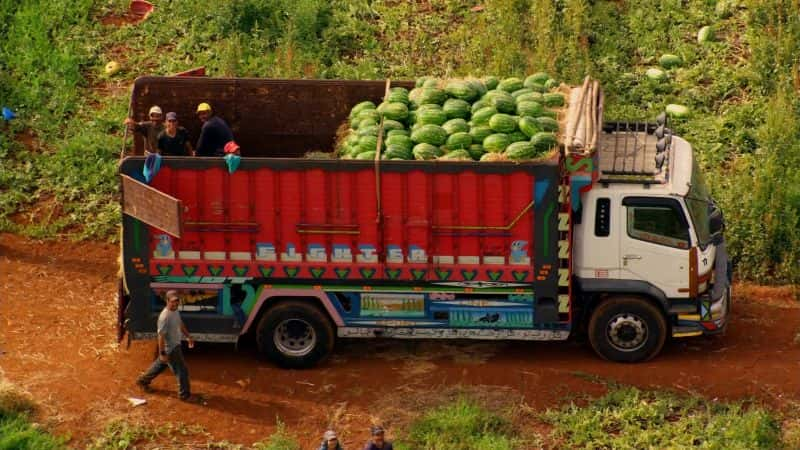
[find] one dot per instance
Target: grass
(741, 87)
(16, 430)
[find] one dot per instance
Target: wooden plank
(152, 206)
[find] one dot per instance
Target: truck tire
(295, 334)
(627, 329)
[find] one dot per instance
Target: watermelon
(431, 82)
(399, 140)
(432, 95)
(397, 151)
(550, 83)
(398, 95)
(457, 155)
(412, 117)
(429, 134)
(669, 61)
(425, 151)
(520, 150)
(482, 103)
(413, 97)
(480, 132)
(352, 139)
(510, 84)
(493, 157)
(657, 75)
(460, 140)
(389, 125)
(366, 144)
(369, 114)
(483, 115)
(431, 116)
(455, 107)
(522, 91)
(496, 143)
(368, 130)
(420, 82)
(553, 99)
(531, 97)
(366, 155)
(455, 126)
(461, 90)
(397, 133)
(705, 34)
(549, 113)
(361, 107)
(544, 141)
(478, 85)
(476, 151)
(547, 123)
(394, 110)
(502, 123)
(491, 82)
(537, 78)
(529, 126)
(529, 108)
(502, 101)
(518, 136)
(678, 111)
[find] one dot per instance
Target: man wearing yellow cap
(214, 134)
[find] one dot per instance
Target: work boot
(144, 386)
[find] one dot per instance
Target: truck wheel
(295, 335)
(627, 329)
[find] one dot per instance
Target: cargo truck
(619, 241)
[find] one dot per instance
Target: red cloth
(231, 147)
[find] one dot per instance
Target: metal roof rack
(634, 152)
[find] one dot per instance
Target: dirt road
(57, 340)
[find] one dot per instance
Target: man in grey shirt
(170, 328)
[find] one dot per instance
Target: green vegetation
(630, 418)
(739, 83)
(16, 431)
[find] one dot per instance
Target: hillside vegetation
(59, 156)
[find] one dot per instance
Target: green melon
(397, 151)
(520, 150)
(705, 34)
(461, 90)
(529, 108)
(529, 126)
(531, 97)
(413, 97)
(483, 115)
(518, 136)
(455, 126)
(420, 82)
(366, 155)
(657, 75)
(361, 107)
(369, 114)
(368, 130)
(431, 82)
(550, 84)
(476, 151)
(457, 155)
(367, 143)
(398, 95)
(478, 85)
(394, 110)
(502, 101)
(522, 91)
(425, 151)
(399, 140)
(491, 82)
(480, 132)
(454, 107)
(544, 141)
(553, 99)
(397, 133)
(458, 140)
(496, 143)
(432, 95)
(669, 61)
(502, 123)
(429, 134)
(352, 139)
(547, 123)
(431, 116)
(482, 103)
(537, 78)
(390, 125)
(510, 84)
(549, 113)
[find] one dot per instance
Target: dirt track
(57, 340)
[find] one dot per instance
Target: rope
(378, 156)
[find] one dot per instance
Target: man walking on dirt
(170, 328)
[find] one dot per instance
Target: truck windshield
(698, 201)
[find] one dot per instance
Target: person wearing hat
(330, 441)
(214, 134)
(174, 140)
(170, 328)
(149, 129)
(378, 440)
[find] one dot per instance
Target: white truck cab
(649, 231)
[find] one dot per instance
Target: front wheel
(627, 329)
(295, 335)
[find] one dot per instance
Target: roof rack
(628, 153)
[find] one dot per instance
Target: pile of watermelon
(458, 120)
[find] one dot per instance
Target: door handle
(627, 257)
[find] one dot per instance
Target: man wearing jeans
(170, 328)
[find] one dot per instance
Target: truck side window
(658, 221)
(602, 217)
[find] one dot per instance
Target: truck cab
(649, 232)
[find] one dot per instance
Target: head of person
(330, 439)
(155, 114)
(172, 122)
(378, 437)
(173, 301)
(203, 111)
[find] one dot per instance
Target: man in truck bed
(214, 134)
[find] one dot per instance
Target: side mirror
(716, 222)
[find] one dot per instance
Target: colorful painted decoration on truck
(491, 318)
(392, 305)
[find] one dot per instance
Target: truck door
(654, 243)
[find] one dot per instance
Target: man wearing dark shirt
(214, 134)
(174, 140)
(378, 442)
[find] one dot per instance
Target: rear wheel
(295, 335)
(627, 329)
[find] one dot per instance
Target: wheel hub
(294, 337)
(627, 332)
